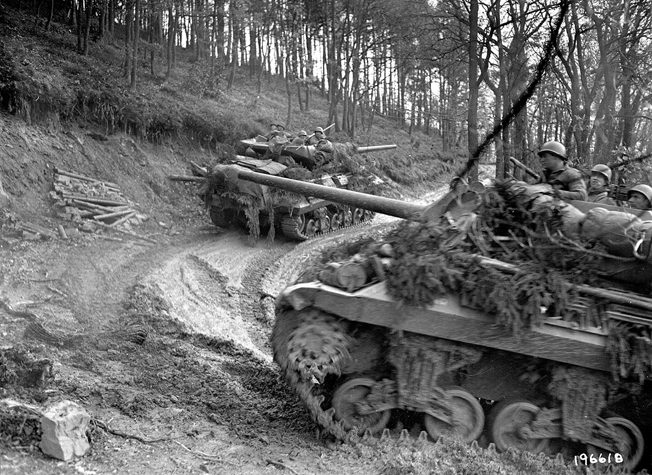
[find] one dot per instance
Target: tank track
(290, 229)
(312, 348)
(305, 371)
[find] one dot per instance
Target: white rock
(64, 427)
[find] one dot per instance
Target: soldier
(317, 135)
(556, 172)
(281, 131)
(599, 185)
(273, 131)
(640, 197)
(300, 139)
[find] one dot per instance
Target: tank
(426, 329)
(250, 193)
(304, 155)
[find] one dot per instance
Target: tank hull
(246, 190)
(451, 363)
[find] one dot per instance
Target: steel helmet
(555, 148)
(645, 190)
(303, 133)
(602, 169)
(319, 129)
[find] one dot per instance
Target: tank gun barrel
(376, 148)
(624, 160)
(379, 204)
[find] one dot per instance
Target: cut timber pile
(88, 198)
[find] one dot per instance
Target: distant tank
(304, 155)
(403, 327)
(245, 193)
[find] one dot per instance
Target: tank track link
(290, 229)
(305, 370)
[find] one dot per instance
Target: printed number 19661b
(587, 459)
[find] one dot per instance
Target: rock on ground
(64, 427)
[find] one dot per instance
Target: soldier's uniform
(602, 197)
(568, 182)
(300, 139)
(599, 185)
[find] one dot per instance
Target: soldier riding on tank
(567, 181)
(599, 185)
(640, 197)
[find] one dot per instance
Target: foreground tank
(574, 380)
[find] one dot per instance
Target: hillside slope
(61, 109)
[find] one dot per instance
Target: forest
(577, 71)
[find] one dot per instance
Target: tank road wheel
(368, 215)
(631, 436)
(324, 224)
(358, 215)
(345, 402)
(292, 226)
(467, 418)
(220, 217)
(505, 423)
(336, 221)
(310, 229)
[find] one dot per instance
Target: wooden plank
(35, 228)
(116, 214)
(88, 199)
(196, 179)
(128, 233)
(85, 178)
(94, 207)
(123, 219)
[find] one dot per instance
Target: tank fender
(298, 296)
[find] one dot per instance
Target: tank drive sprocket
(309, 346)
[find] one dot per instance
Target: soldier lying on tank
(640, 197)
(599, 185)
(301, 138)
(324, 145)
(273, 132)
(556, 172)
(283, 132)
(276, 146)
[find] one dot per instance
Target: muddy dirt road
(201, 393)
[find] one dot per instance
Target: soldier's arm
(576, 187)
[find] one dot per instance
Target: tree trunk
(87, 25)
(235, 36)
(50, 16)
(472, 116)
(128, 34)
(136, 40)
(170, 46)
(80, 29)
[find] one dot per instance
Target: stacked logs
(82, 197)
